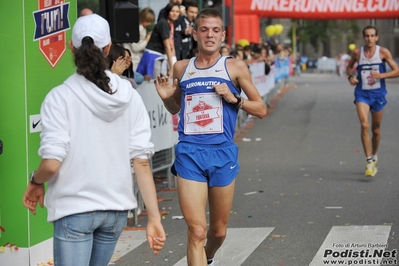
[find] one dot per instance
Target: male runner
(370, 91)
(207, 92)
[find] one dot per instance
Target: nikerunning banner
(319, 9)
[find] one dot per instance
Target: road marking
(128, 241)
(239, 244)
(342, 238)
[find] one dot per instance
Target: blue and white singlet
(205, 117)
(368, 86)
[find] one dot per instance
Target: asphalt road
(301, 193)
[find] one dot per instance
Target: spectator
(257, 57)
(188, 43)
(239, 53)
(179, 31)
(178, 36)
(344, 60)
(85, 11)
(298, 65)
(160, 46)
(164, 14)
(94, 125)
(266, 54)
(146, 18)
(129, 73)
(182, 10)
(247, 53)
(117, 62)
(224, 50)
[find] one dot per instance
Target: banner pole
(232, 24)
(294, 48)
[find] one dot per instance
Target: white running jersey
(205, 117)
(365, 66)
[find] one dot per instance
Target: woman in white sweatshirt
(93, 125)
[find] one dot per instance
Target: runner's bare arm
(387, 56)
(241, 76)
(352, 61)
(170, 93)
(349, 69)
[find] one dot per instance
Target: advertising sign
(320, 9)
(51, 21)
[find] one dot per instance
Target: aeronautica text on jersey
(202, 83)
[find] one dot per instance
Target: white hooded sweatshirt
(94, 135)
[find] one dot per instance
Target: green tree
(319, 32)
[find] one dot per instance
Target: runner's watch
(32, 179)
(239, 99)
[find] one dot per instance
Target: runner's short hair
(370, 28)
(206, 13)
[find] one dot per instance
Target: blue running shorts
(216, 164)
(376, 103)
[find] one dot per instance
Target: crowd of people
(263, 51)
(166, 38)
(171, 40)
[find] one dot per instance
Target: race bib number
(203, 114)
(368, 82)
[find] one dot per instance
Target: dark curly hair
(91, 63)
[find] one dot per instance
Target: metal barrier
(243, 116)
(163, 160)
(327, 65)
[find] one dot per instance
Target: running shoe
(371, 169)
(213, 263)
(375, 160)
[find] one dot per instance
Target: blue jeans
(87, 239)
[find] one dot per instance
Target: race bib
(203, 114)
(368, 82)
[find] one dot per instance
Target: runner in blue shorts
(206, 92)
(376, 103)
(192, 162)
(370, 91)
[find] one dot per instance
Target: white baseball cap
(93, 26)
